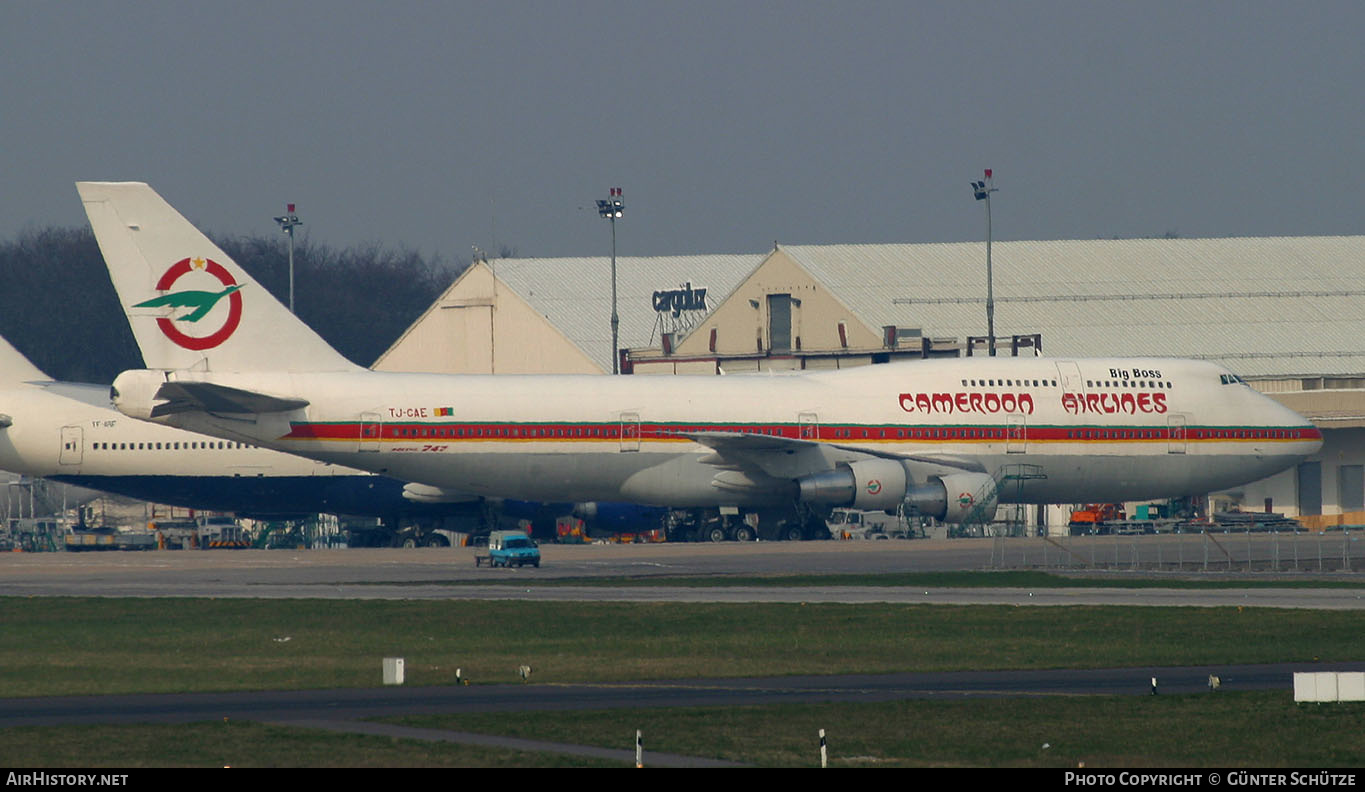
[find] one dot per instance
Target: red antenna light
(988, 173)
(291, 209)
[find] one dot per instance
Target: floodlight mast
(612, 209)
(287, 222)
(982, 190)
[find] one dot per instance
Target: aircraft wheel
(716, 534)
(793, 533)
(744, 534)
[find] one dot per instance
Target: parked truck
(1094, 518)
(860, 524)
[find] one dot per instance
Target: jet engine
(620, 517)
(425, 493)
(884, 484)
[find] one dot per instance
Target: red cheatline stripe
(480, 432)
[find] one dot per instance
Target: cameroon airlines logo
(197, 302)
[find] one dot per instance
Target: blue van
(510, 548)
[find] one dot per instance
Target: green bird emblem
(201, 301)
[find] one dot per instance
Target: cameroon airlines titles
(946, 437)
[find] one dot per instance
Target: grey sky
(443, 125)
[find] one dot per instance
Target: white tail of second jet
(189, 304)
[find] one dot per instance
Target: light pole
(287, 222)
(983, 190)
(613, 208)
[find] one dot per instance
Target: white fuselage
(69, 428)
(1090, 430)
(71, 433)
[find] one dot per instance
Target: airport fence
(1287, 551)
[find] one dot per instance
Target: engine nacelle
(865, 484)
(883, 484)
(425, 493)
(619, 516)
(965, 492)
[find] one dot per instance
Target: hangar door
(1310, 488)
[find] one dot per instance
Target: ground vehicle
(1091, 518)
(510, 548)
(221, 532)
(867, 524)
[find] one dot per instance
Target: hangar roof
(575, 293)
(1264, 306)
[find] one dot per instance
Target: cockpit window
(1231, 379)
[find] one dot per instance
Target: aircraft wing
(207, 397)
(787, 458)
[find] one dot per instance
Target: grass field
(1216, 730)
(1249, 730)
(1002, 579)
(64, 646)
(55, 646)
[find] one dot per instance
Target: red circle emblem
(234, 317)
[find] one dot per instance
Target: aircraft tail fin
(15, 368)
(189, 304)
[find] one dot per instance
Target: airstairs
(1008, 483)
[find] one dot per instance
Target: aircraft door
(1016, 434)
(1071, 376)
(630, 431)
(808, 424)
(1175, 428)
(72, 446)
(371, 430)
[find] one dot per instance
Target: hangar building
(1287, 313)
(551, 316)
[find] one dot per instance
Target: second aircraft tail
(15, 368)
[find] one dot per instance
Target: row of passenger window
(500, 432)
(1009, 383)
(1127, 384)
(206, 445)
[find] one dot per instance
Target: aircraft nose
(1314, 436)
(1308, 434)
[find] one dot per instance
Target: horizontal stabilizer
(207, 397)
